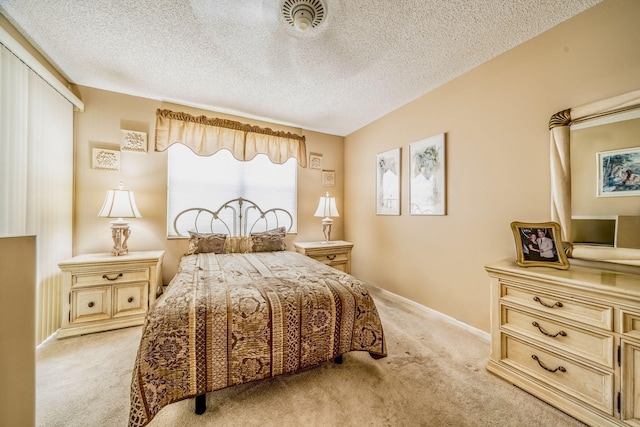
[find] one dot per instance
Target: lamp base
(120, 233)
(326, 228)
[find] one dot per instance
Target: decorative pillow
(270, 240)
(238, 245)
(202, 243)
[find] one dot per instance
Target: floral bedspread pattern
(230, 319)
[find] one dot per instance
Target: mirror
(587, 143)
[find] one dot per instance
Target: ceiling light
(302, 17)
(303, 14)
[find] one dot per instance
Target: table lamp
(327, 208)
(119, 204)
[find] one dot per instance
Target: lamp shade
(119, 204)
(327, 207)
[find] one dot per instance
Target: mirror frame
(559, 126)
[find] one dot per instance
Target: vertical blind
(36, 177)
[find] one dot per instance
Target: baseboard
(486, 336)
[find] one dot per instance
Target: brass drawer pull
(331, 257)
(559, 368)
(90, 304)
(130, 299)
(557, 304)
(104, 276)
(543, 332)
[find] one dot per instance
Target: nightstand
(102, 291)
(336, 253)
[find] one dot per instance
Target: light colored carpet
(434, 376)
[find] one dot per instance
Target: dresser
(570, 337)
(102, 291)
(336, 253)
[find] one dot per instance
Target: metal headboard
(237, 217)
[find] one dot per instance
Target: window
(208, 182)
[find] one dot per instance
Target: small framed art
(388, 182)
(328, 178)
(131, 140)
(427, 176)
(315, 161)
(105, 159)
(539, 244)
(618, 172)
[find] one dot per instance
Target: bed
(242, 309)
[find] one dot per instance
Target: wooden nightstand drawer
(103, 292)
(337, 264)
(130, 299)
(592, 386)
(91, 304)
(110, 277)
(331, 258)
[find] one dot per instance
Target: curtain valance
(206, 136)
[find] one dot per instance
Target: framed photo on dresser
(539, 245)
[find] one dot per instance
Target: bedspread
(234, 318)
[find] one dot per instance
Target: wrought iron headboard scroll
(237, 217)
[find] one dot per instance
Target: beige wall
(146, 173)
(495, 118)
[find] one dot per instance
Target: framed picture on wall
(388, 182)
(131, 140)
(105, 159)
(539, 244)
(328, 178)
(618, 172)
(427, 176)
(315, 161)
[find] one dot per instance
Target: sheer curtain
(36, 177)
(210, 181)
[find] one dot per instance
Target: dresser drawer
(110, 277)
(592, 346)
(587, 384)
(630, 324)
(130, 299)
(600, 316)
(90, 304)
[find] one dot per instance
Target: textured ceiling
(240, 57)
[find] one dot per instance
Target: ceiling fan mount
(303, 14)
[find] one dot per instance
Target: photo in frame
(427, 184)
(618, 172)
(539, 245)
(388, 182)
